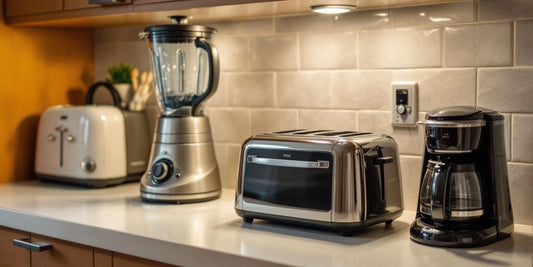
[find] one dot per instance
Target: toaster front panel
(284, 178)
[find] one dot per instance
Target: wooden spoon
(134, 79)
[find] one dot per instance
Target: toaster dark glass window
(289, 178)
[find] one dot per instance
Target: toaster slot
(288, 131)
(311, 132)
(319, 164)
(337, 133)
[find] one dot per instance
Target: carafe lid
(172, 33)
(455, 113)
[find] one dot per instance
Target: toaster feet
(247, 219)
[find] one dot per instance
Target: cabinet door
(79, 4)
(62, 254)
(31, 7)
(10, 255)
(121, 260)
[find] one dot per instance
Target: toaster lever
(383, 160)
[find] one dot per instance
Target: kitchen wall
(38, 68)
(334, 72)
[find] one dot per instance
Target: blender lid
(455, 113)
(180, 29)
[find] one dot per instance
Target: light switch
(404, 104)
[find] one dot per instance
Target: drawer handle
(105, 2)
(319, 164)
(37, 246)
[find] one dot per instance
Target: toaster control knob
(88, 165)
(51, 138)
(161, 171)
(70, 138)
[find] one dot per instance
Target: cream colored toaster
(88, 145)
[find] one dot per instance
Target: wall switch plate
(404, 104)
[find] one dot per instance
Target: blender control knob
(161, 170)
(401, 109)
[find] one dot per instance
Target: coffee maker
(464, 196)
(185, 64)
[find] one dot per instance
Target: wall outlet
(404, 104)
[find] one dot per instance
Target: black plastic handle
(438, 195)
(114, 93)
(212, 83)
(37, 246)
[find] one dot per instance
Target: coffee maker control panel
(404, 104)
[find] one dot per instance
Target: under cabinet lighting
(333, 9)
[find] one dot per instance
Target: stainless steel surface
(36, 247)
(453, 124)
(348, 178)
(194, 175)
(191, 125)
(320, 164)
(137, 141)
(182, 138)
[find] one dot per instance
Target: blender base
(179, 199)
(183, 167)
(427, 234)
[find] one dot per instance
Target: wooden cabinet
(80, 4)
(62, 254)
(31, 7)
(11, 256)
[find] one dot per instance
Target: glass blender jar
(185, 66)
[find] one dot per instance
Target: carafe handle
(212, 81)
(438, 196)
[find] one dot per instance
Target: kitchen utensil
(185, 69)
(135, 79)
(464, 196)
(340, 180)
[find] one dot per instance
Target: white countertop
(210, 233)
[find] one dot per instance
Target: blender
(185, 65)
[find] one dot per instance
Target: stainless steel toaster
(339, 180)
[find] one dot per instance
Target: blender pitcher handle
(213, 68)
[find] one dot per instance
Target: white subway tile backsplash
(328, 120)
(361, 89)
(278, 52)
(521, 186)
(522, 140)
(328, 50)
(304, 89)
(219, 98)
(229, 125)
(410, 140)
(271, 120)
(244, 27)
(411, 167)
(234, 53)
(478, 45)
(433, 14)
(337, 23)
(502, 9)
(524, 42)
(255, 89)
(441, 87)
(400, 48)
(506, 89)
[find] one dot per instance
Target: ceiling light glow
(333, 9)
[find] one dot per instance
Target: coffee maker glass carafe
(451, 191)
